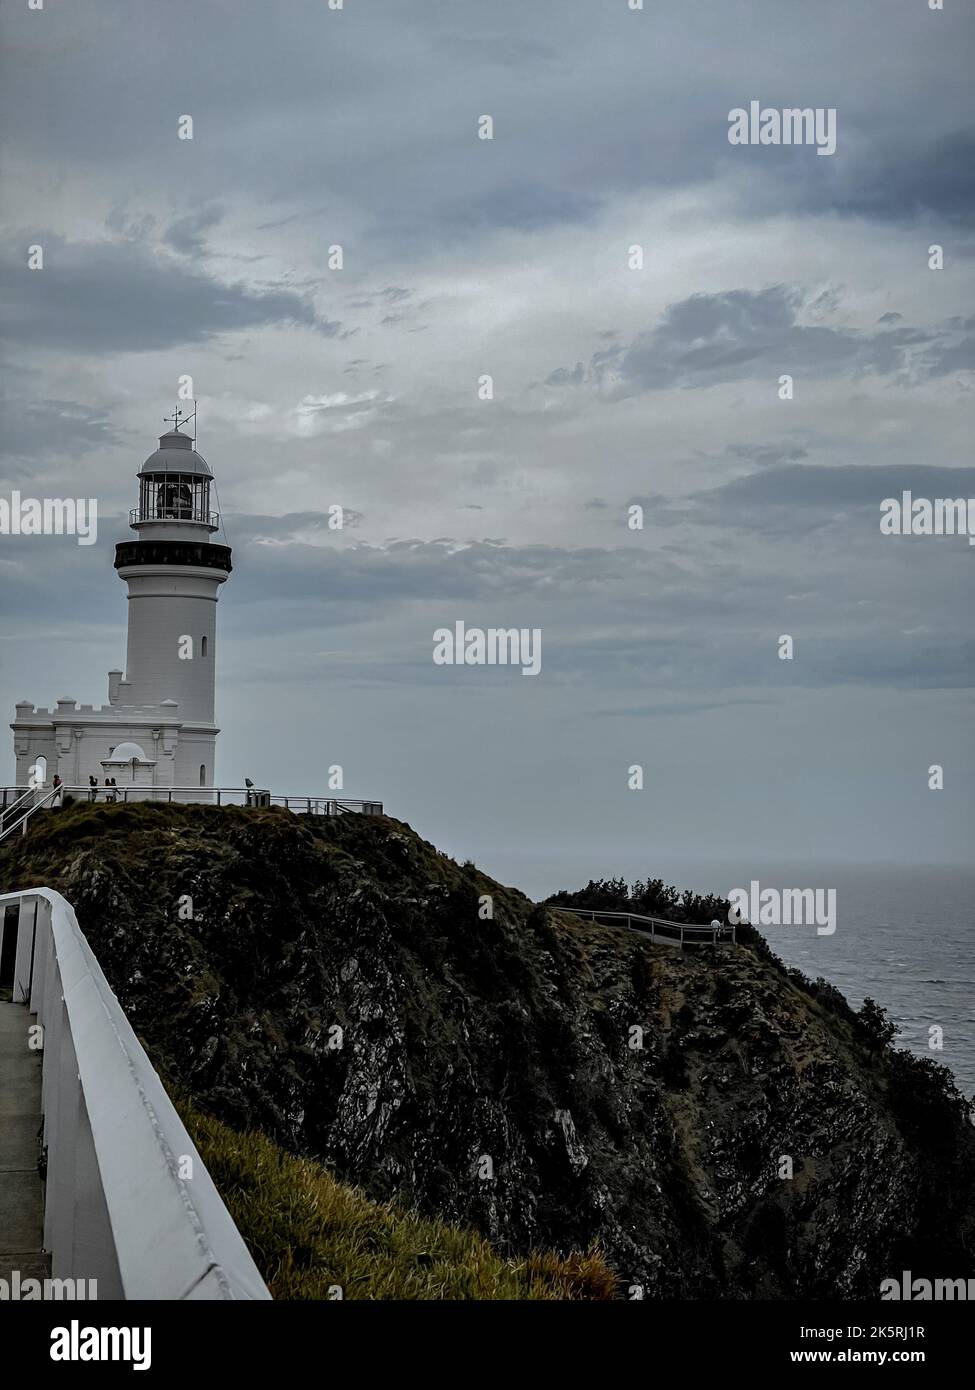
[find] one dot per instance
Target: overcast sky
(613, 387)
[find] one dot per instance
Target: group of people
(111, 791)
(57, 790)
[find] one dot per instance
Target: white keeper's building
(158, 727)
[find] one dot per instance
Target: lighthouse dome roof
(175, 455)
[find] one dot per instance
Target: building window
(203, 646)
(203, 774)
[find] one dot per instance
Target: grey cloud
(883, 171)
(34, 428)
(581, 71)
(738, 334)
(953, 357)
(186, 234)
(768, 455)
(355, 577)
(521, 204)
(943, 661)
(722, 337)
(866, 658)
(897, 184)
(124, 223)
(846, 485)
(119, 297)
(793, 501)
(626, 624)
(291, 525)
(562, 376)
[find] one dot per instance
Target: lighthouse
(158, 728)
(173, 572)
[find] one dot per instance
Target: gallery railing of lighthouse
(181, 512)
(128, 1202)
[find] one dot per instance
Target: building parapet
(165, 711)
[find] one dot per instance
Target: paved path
(21, 1188)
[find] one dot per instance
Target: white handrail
(683, 933)
(49, 797)
(8, 810)
(129, 1202)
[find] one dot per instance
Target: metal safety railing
(15, 821)
(175, 513)
(20, 804)
(658, 928)
(206, 796)
(128, 1200)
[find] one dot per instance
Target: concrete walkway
(21, 1188)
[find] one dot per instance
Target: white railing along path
(129, 1201)
(659, 929)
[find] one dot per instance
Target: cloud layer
(487, 388)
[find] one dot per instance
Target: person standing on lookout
(92, 788)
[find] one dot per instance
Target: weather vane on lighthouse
(179, 417)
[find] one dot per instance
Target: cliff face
(549, 1081)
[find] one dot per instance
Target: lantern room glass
(174, 497)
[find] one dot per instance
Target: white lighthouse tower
(158, 728)
(173, 572)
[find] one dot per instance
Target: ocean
(905, 935)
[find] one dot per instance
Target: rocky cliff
(722, 1127)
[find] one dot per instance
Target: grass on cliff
(311, 1235)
